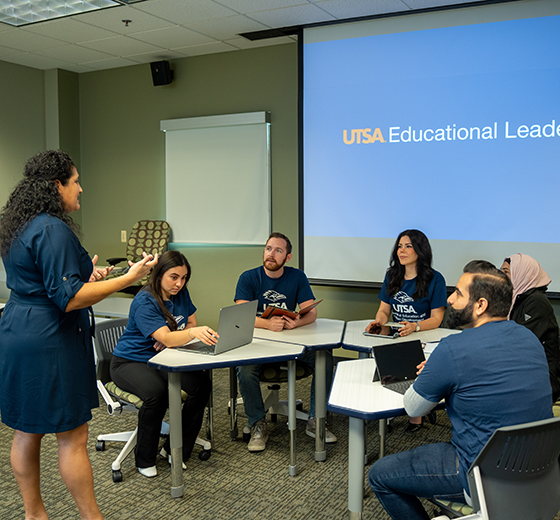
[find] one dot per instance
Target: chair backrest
(520, 472)
(151, 236)
(107, 334)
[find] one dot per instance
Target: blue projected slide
(452, 130)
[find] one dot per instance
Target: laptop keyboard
(400, 387)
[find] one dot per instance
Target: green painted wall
(123, 159)
(22, 121)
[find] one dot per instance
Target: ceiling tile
(182, 11)
(225, 28)
(26, 41)
(69, 30)
(173, 37)
(73, 54)
(288, 16)
(251, 6)
(120, 46)
(210, 48)
(342, 9)
(112, 20)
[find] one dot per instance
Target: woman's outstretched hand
(141, 268)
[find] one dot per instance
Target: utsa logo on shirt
(402, 297)
(179, 319)
(273, 296)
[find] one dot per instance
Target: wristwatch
(417, 326)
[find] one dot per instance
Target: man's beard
(460, 318)
(275, 267)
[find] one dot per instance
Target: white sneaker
(148, 472)
(330, 437)
(166, 455)
(258, 437)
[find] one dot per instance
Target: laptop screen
(398, 361)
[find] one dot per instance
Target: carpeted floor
(232, 484)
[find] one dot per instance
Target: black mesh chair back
(107, 334)
(520, 472)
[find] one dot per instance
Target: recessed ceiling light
(23, 12)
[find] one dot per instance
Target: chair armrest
(113, 407)
(116, 260)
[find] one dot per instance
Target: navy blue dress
(48, 381)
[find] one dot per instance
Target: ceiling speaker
(161, 73)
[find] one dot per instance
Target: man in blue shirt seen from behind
(493, 374)
(277, 285)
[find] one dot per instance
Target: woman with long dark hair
(412, 291)
(48, 382)
(161, 315)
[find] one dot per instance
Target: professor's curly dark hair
(36, 193)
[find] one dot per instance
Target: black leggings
(150, 385)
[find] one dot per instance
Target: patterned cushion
(278, 373)
(117, 392)
(457, 507)
(113, 389)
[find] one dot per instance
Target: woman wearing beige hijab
(531, 308)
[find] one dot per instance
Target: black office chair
(107, 334)
(516, 476)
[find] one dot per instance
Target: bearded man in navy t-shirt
(276, 285)
(493, 374)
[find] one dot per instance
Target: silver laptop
(235, 328)
(396, 364)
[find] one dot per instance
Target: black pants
(151, 386)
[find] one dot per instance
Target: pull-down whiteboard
(217, 174)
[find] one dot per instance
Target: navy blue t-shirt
(144, 318)
(286, 292)
(490, 376)
(405, 308)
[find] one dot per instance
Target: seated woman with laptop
(161, 315)
(413, 291)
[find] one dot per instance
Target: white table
(354, 338)
(356, 395)
(321, 335)
(113, 307)
(257, 352)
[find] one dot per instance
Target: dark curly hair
(424, 270)
(36, 193)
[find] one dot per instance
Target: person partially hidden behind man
(493, 374)
(274, 284)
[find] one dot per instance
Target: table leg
(356, 448)
(382, 435)
(176, 435)
(292, 415)
(210, 422)
(320, 404)
(233, 402)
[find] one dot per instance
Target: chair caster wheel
(273, 417)
(100, 445)
(117, 476)
(432, 417)
(204, 454)
(234, 433)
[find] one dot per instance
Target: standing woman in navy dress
(48, 382)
